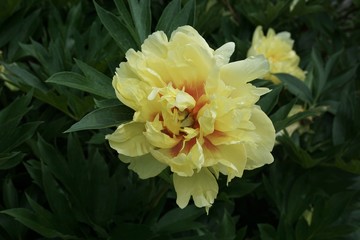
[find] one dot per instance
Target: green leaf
(226, 230)
(132, 231)
(302, 229)
(95, 82)
(269, 101)
(352, 166)
(178, 220)
(340, 231)
(267, 231)
(10, 160)
(338, 82)
(29, 219)
(282, 124)
(296, 153)
(174, 17)
(241, 233)
(26, 81)
(12, 136)
(336, 206)
(141, 14)
(239, 188)
(96, 79)
(124, 15)
(124, 38)
(16, 109)
(296, 87)
(347, 119)
(33, 167)
(10, 195)
(21, 76)
(282, 114)
(103, 118)
(167, 16)
(107, 103)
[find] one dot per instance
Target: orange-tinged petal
(231, 159)
(156, 137)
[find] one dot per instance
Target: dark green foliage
(56, 66)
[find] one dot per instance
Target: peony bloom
(277, 48)
(194, 113)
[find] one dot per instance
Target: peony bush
(179, 119)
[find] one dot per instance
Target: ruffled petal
(259, 153)
(145, 166)
(128, 139)
(156, 137)
(129, 90)
(202, 186)
(231, 159)
(183, 163)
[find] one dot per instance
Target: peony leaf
(10, 160)
(94, 82)
(173, 16)
(296, 87)
(103, 118)
(178, 220)
(167, 16)
(267, 231)
(118, 30)
(141, 13)
(29, 219)
(269, 101)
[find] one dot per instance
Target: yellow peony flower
(194, 113)
(277, 48)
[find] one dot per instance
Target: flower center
(187, 121)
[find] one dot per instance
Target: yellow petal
(145, 166)
(259, 153)
(206, 119)
(128, 139)
(258, 35)
(179, 164)
(237, 73)
(231, 159)
(277, 48)
(156, 45)
(182, 164)
(222, 55)
(285, 37)
(202, 186)
(237, 118)
(129, 91)
(156, 137)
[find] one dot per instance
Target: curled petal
(237, 73)
(222, 54)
